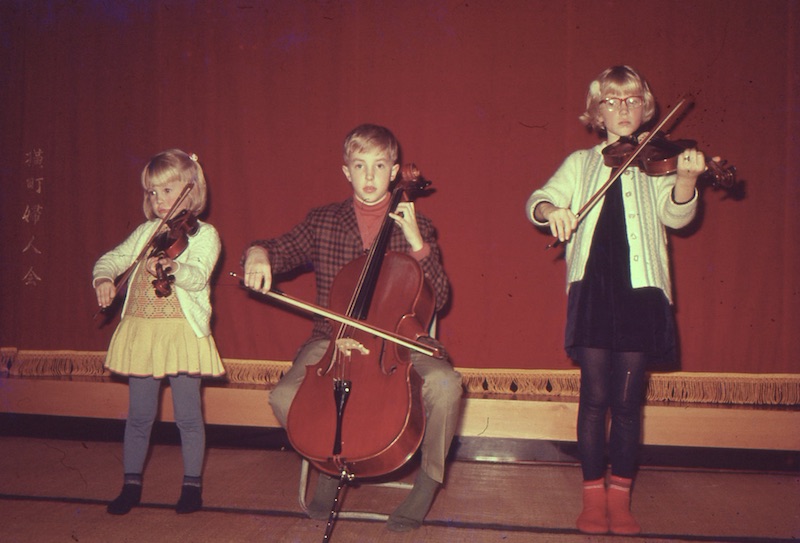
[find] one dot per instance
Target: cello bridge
(345, 345)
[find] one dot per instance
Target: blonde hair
(617, 79)
(175, 165)
(370, 136)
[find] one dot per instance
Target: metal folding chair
(345, 514)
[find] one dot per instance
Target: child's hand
(562, 221)
(167, 264)
(691, 163)
(406, 219)
(257, 270)
(105, 291)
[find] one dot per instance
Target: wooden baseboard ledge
(483, 415)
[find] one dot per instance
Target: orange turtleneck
(369, 220)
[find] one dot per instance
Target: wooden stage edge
(483, 415)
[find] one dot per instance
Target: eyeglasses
(633, 102)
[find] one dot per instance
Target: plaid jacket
(328, 239)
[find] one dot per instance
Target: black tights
(615, 381)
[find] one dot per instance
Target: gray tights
(142, 409)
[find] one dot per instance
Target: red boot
(620, 519)
(593, 519)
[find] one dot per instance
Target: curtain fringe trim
(710, 388)
(779, 389)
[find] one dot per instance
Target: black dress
(603, 309)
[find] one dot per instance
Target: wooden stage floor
(54, 487)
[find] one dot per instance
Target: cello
(359, 410)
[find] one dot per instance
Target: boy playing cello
(330, 237)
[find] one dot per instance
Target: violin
(655, 155)
(171, 243)
(660, 157)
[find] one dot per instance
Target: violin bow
(590, 203)
(342, 319)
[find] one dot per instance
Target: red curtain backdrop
(484, 97)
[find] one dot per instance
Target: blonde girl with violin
(619, 309)
(165, 334)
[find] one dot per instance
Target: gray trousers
(142, 409)
(441, 394)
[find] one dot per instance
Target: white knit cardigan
(192, 277)
(649, 211)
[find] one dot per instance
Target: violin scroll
(723, 176)
(163, 281)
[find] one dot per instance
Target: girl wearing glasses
(619, 308)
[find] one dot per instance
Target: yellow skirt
(145, 347)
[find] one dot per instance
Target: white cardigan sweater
(192, 277)
(649, 210)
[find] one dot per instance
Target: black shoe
(190, 501)
(130, 497)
